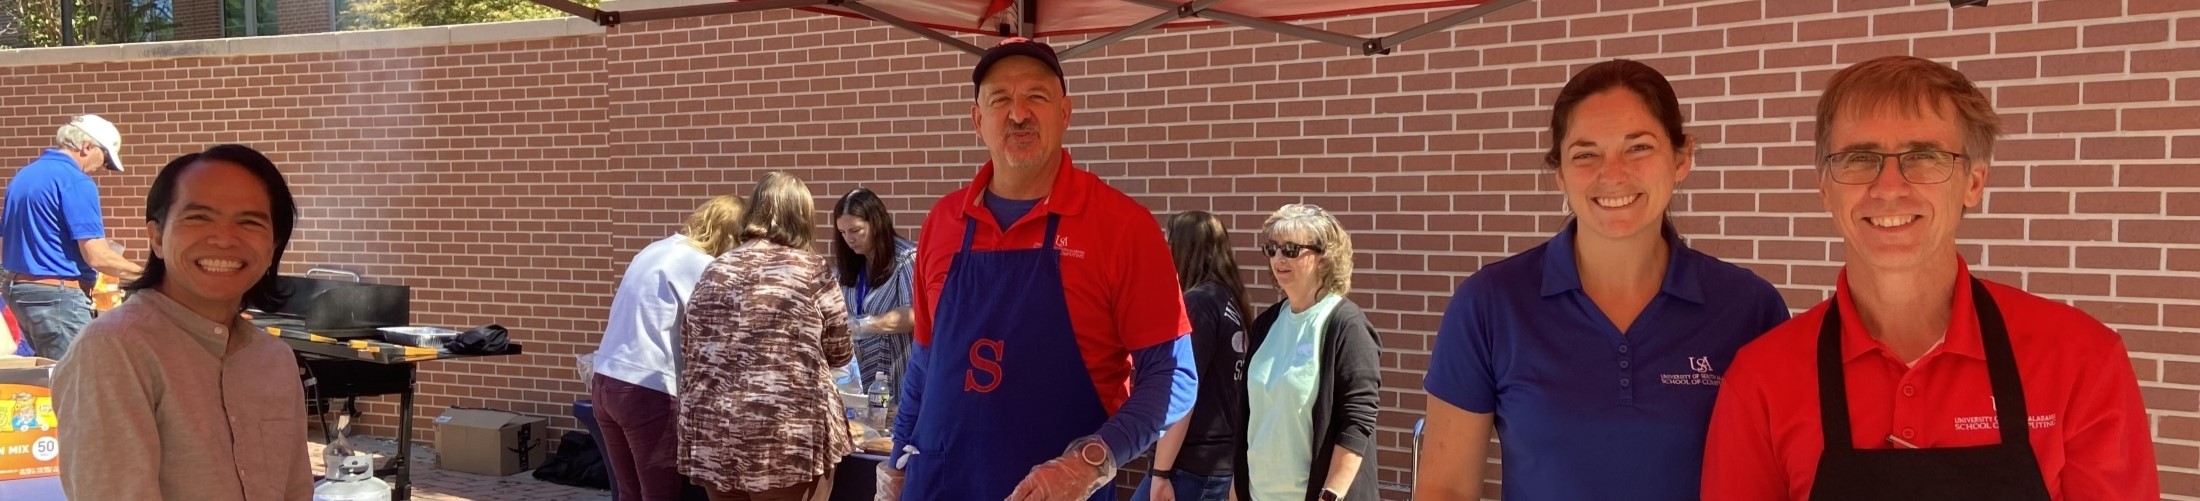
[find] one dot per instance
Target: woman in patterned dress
(759, 419)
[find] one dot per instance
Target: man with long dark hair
(173, 395)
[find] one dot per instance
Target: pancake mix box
(30, 441)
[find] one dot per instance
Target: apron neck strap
(970, 230)
(2001, 368)
(2001, 372)
(1833, 391)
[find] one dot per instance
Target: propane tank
(350, 474)
(350, 477)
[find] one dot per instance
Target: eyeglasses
(1290, 251)
(1920, 166)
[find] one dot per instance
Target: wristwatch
(1094, 453)
(1160, 474)
(1090, 450)
(1330, 495)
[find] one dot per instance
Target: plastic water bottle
(881, 394)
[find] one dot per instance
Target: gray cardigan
(1346, 399)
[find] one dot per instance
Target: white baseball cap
(105, 135)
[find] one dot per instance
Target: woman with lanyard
(1597, 355)
(1313, 378)
(874, 265)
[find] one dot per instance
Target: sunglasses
(1290, 251)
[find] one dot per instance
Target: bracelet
(1159, 473)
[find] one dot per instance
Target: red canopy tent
(1119, 19)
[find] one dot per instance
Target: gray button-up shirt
(159, 403)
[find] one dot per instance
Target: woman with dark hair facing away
(1595, 356)
(875, 266)
(759, 420)
(1192, 462)
(171, 393)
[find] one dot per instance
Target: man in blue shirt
(52, 240)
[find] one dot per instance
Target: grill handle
(354, 275)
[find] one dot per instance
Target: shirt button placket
(1905, 412)
(1626, 376)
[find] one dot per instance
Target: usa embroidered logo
(1061, 244)
(1699, 375)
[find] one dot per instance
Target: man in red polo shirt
(1917, 380)
(1050, 331)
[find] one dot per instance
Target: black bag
(577, 463)
(489, 339)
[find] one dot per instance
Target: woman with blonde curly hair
(1312, 373)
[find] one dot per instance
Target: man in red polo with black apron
(1050, 331)
(1918, 380)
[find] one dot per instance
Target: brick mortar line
(2174, 357)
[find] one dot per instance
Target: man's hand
(1065, 478)
(888, 485)
(1162, 489)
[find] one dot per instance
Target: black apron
(2007, 471)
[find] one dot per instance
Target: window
(233, 18)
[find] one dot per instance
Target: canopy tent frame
(1026, 18)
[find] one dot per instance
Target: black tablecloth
(856, 478)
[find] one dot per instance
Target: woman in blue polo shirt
(1595, 356)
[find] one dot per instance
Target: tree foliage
(378, 14)
(37, 23)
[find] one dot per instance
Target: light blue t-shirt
(1279, 390)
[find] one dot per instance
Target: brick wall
(1432, 155)
(303, 16)
(468, 172)
(197, 19)
(419, 160)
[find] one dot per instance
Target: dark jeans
(51, 316)
(639, 440)
(1188, 487)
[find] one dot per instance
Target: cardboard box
(30, 436)
(490, 442)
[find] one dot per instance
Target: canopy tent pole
(1278, 27)
(1027, 19)
(617, 17)
(1367, 46)
(935, 35)
(1179, 12)
(578, 10)
(1382, 45)
(1031, 19)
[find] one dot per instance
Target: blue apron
(1006, 387)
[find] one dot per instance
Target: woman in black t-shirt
(1193, 460)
